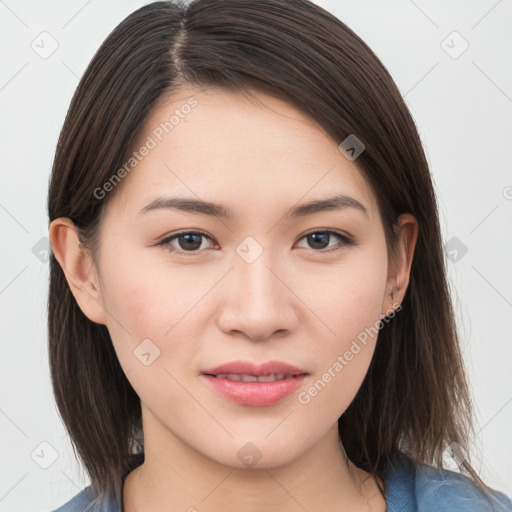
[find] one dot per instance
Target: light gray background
(462, 107)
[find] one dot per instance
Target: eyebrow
(197, 206)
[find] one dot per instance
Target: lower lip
(256, 394)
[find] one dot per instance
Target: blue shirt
(425, 489)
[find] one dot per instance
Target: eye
(192, 241)
(187, 242)
(321, 239)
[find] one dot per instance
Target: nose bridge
(260, 303)
(253, 266)
(258, 283)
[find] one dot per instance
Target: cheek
(145, 294)
(153, 316)
(348, 296)
(134, 299)
(143, 312)
(349, 304)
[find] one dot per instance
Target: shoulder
(85, 501)
(417, 487)
(88, 501)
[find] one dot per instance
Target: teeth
(272, 378)
(252, 378)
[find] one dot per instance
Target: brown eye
(320, 240)
(188, 241)
(191, 242)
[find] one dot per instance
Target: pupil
(317, 241)
(319, 238)
(189, 239)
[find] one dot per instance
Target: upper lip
(258, 370)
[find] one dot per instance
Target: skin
(296, 303)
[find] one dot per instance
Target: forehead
(219, 144)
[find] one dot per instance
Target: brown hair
(414, 398)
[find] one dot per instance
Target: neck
(174, 474)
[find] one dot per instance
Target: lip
(255, 394)
(258, 370)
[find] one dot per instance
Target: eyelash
(345, 241)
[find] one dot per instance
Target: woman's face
(253, 286)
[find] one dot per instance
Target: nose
(259, 302)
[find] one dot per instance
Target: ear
(399, 268)
(78, 267)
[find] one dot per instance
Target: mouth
(275, 369)
(253, 378)
(246, 383)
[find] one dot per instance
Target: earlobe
(400, 268)
(78, 267)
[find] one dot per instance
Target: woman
(248, 305)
